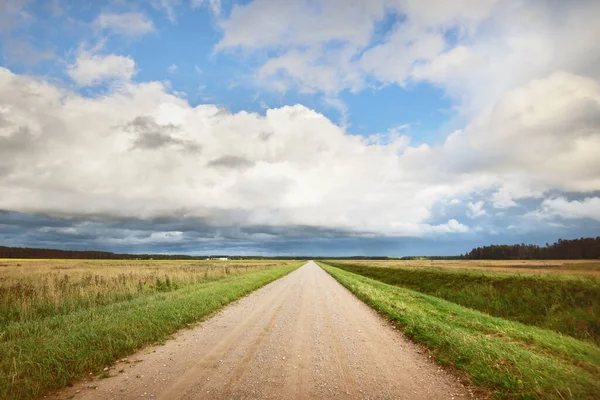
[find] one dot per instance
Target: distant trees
(584, 248)
(28, 252)
(435, 258)
(22, 252)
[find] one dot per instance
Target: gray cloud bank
(194, 236)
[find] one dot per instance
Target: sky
(308, 127)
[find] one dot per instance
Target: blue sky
(383, 127)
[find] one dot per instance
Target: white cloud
(135, 237)
(272, 24)
(139, 151)
(340, 107)
(543, 135)
(266, 23)
(561, 207)
(503, 199)
(452, 226)
(126, 24)
(393, 60)
(518, 42)
(328, 46)
(61, 230)
(172, 68)
(312, 70)
(499, 45)
(91, 69)
(455, 226)
(476, 209)
(446, 13)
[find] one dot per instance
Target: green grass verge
(513, 360)
(45, 354)
(564, 303)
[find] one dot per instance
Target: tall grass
(510, 359)
(57, 325)
(33, 289)
(563, 303)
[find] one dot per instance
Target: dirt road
(301, 337)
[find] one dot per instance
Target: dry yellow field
(569, 267)
(30, 287)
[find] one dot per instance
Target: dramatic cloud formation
(125, 145)
(526, 75)
(142, 152)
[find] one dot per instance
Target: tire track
(196, 375)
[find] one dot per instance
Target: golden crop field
(34, 288)
(562, 267)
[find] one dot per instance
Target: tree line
(584, 248)
(31, 252)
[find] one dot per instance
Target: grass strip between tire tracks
(38, 356)
(513, 360)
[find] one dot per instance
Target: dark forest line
(584, 248)
(31, 252)
(574, 249)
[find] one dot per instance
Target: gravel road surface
(303, 336)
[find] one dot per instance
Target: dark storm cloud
(12, 146)
(193, 236)
(147, 124)
(20, 139)
(27, 221)
(222, 112)
(3, 121)
(492, 221)
(184, 235)
(153, 136)
(232, 162)
(265, 136)
(154, 140)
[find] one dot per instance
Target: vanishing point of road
(303, 336)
